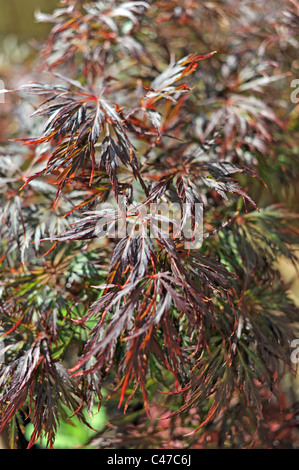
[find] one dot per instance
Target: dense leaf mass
(100, 295)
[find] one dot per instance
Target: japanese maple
(132, 105)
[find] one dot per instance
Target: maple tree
(132, 104)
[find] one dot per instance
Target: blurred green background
(17, 18)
